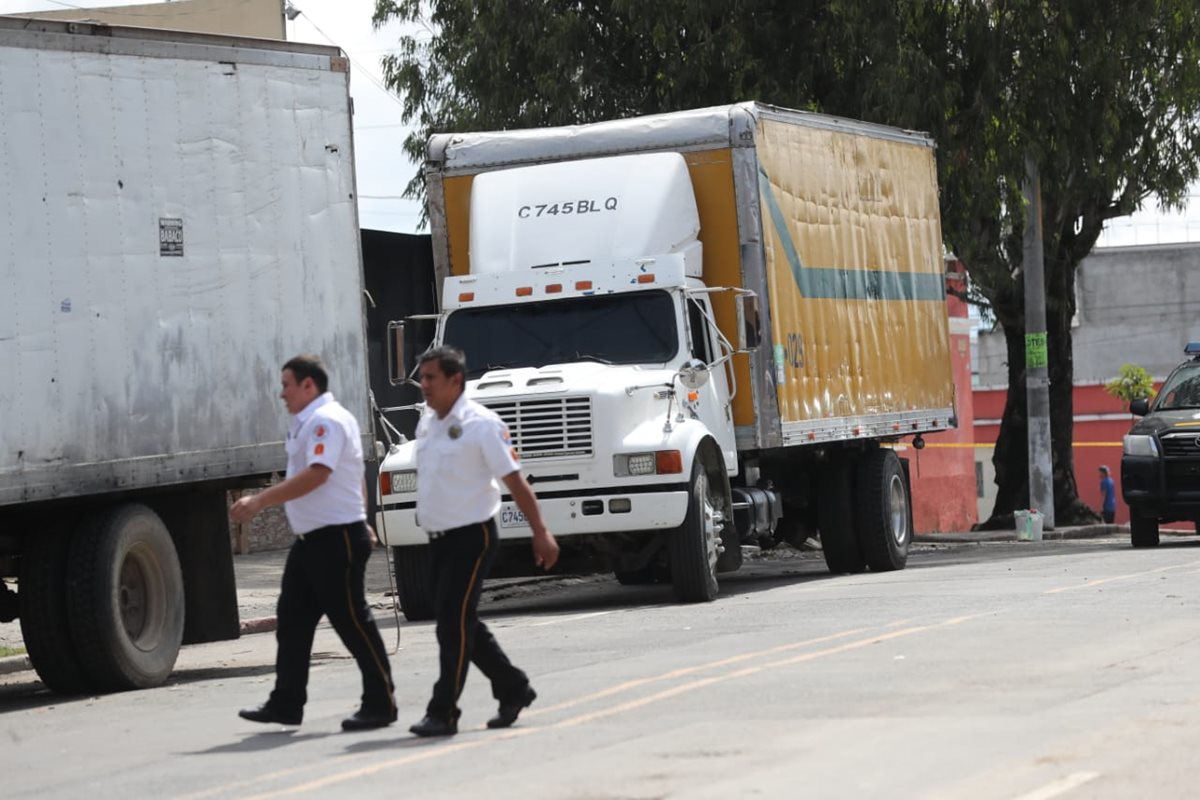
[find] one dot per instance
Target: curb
(1059, 534)
(258, 625)
(11, 664)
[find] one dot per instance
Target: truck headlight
(1141, 446)
(404, 482)
(625, 464)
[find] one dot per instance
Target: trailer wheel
(883, 517)
(1143, 531)
(835, 518)
(694, 545)
(125, 595)
(414, 581)
(42, 595)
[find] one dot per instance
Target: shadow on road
(259, 742)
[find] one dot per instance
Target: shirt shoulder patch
(319, 450)
(320, 431)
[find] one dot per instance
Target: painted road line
(1061, 786)
(433, 751)
(1101, 581)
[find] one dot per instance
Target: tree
(1104, 93)
(1132, 383)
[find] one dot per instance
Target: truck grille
(548, 428)
(1182, 446)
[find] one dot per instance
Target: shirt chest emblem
(455, 431)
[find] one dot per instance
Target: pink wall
(943, 474)
(1100, 422)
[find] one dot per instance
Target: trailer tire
(126, 598)
(694, 545)
(1143, 531)
(835, 518)
(42, 597)
(414, 581)
(882, 511)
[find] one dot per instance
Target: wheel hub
(898, 506)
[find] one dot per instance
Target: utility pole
(1037, 376)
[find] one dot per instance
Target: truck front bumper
(565, 514)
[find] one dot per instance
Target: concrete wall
(1137, 305)
(259, 18)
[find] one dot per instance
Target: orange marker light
(647, 278)
(466, 297)
(667, 462)
(583, 286)
(554, 288)
(524, 291)
(385, 483)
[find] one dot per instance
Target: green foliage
(1104, 95)
(1132, 383)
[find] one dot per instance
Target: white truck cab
(591, 334)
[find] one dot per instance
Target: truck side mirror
(694, 374)
(749, 330)
(1139, 407)
(397, 367)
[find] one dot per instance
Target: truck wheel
(414, 581)
(882, 511)
(835, 519)
(42, 595)
(1143, 531)
(125, 595)
(694, 544)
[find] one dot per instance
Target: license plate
(511, 517)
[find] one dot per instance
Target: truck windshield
(629, 328)
(1182, 389)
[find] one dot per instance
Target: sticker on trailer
(170, 236)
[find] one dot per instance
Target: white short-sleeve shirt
(326, 433)
(460, 459)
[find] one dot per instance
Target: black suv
(1160, 470)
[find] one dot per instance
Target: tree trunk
(1011, 456)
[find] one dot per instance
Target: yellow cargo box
(833, 223)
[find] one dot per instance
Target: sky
(383, 169)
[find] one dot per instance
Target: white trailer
(178, 217)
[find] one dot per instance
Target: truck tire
(414, 581)
(694, 545)
(835, 518)
(126, 599)
(882, 513)
(1143, 531)
(42, 595)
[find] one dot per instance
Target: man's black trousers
(324, 576)
(461, 560)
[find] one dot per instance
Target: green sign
(1035, 351)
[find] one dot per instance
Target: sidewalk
(258, 575)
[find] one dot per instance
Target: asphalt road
(1004, 670)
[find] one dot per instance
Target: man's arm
(298, 485)
(545, 549)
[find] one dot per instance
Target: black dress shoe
(366, 719)
(434, 726)
(268, 713)
(509, 712)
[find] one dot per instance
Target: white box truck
(177, 218)
(703, 330)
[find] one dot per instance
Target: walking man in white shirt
(323, 496)
(463, 449)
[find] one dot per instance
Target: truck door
(713, 405)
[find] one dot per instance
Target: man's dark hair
(451, 361)
(309, 366)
